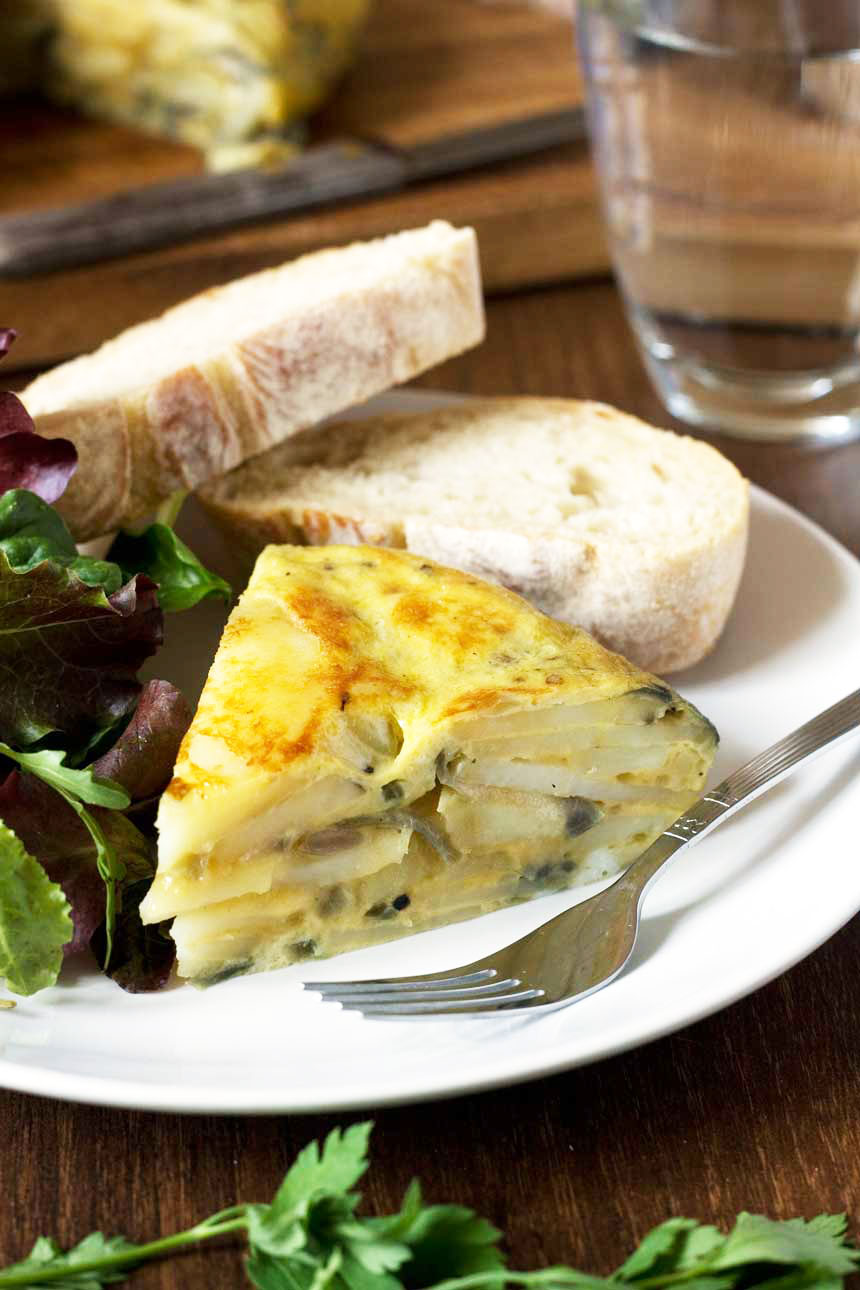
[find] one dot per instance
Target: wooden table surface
(756, 1108)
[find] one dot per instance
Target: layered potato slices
(384, 745)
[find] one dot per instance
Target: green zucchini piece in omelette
(384, 745)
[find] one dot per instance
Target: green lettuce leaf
(35, 922)
(31, 532)
(182, 580)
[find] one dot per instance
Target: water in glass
(727, 138)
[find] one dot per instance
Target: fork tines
(482, 991)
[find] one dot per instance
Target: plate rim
(524, 1065)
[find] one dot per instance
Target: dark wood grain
(754, 1108)
(537, 221)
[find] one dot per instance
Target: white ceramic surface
(765, 890)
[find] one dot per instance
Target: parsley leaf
(443, 1240)
(316, 1177)
(269, 1273)
(332, 1171)
(311, 1238)
(66, 1269)
(817, 1244)
(678, 1243)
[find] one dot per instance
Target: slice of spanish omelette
(384, 745)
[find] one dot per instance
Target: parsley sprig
(310, 1237)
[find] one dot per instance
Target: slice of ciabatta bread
(636, 534)
(185, 397)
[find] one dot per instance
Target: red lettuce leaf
(142, 759)
(44, 466)
(141, 956)
(71, 653)
(52, 833)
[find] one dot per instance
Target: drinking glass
(726, 135)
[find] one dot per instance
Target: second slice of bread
(174, 402)
(636, 534)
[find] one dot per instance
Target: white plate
(762, 892)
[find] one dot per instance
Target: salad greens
(158, 552)
(35, 922)
(311, 1237)
(70, 651)
(85, 747)
(44, 466)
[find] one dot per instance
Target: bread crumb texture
(636, 534)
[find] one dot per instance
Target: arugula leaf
(48, 765)
(69, 654)
(34, 919)
(27, 460)
(182, 580)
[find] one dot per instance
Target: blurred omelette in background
(232, 77)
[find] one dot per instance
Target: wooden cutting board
(426, 70)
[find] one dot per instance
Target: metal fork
(586, 947)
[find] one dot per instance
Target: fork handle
(747, 783)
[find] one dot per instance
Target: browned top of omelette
(345, 669)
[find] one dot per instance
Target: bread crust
(200, 420)
(661, 606)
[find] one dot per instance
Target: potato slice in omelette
(384, 745)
